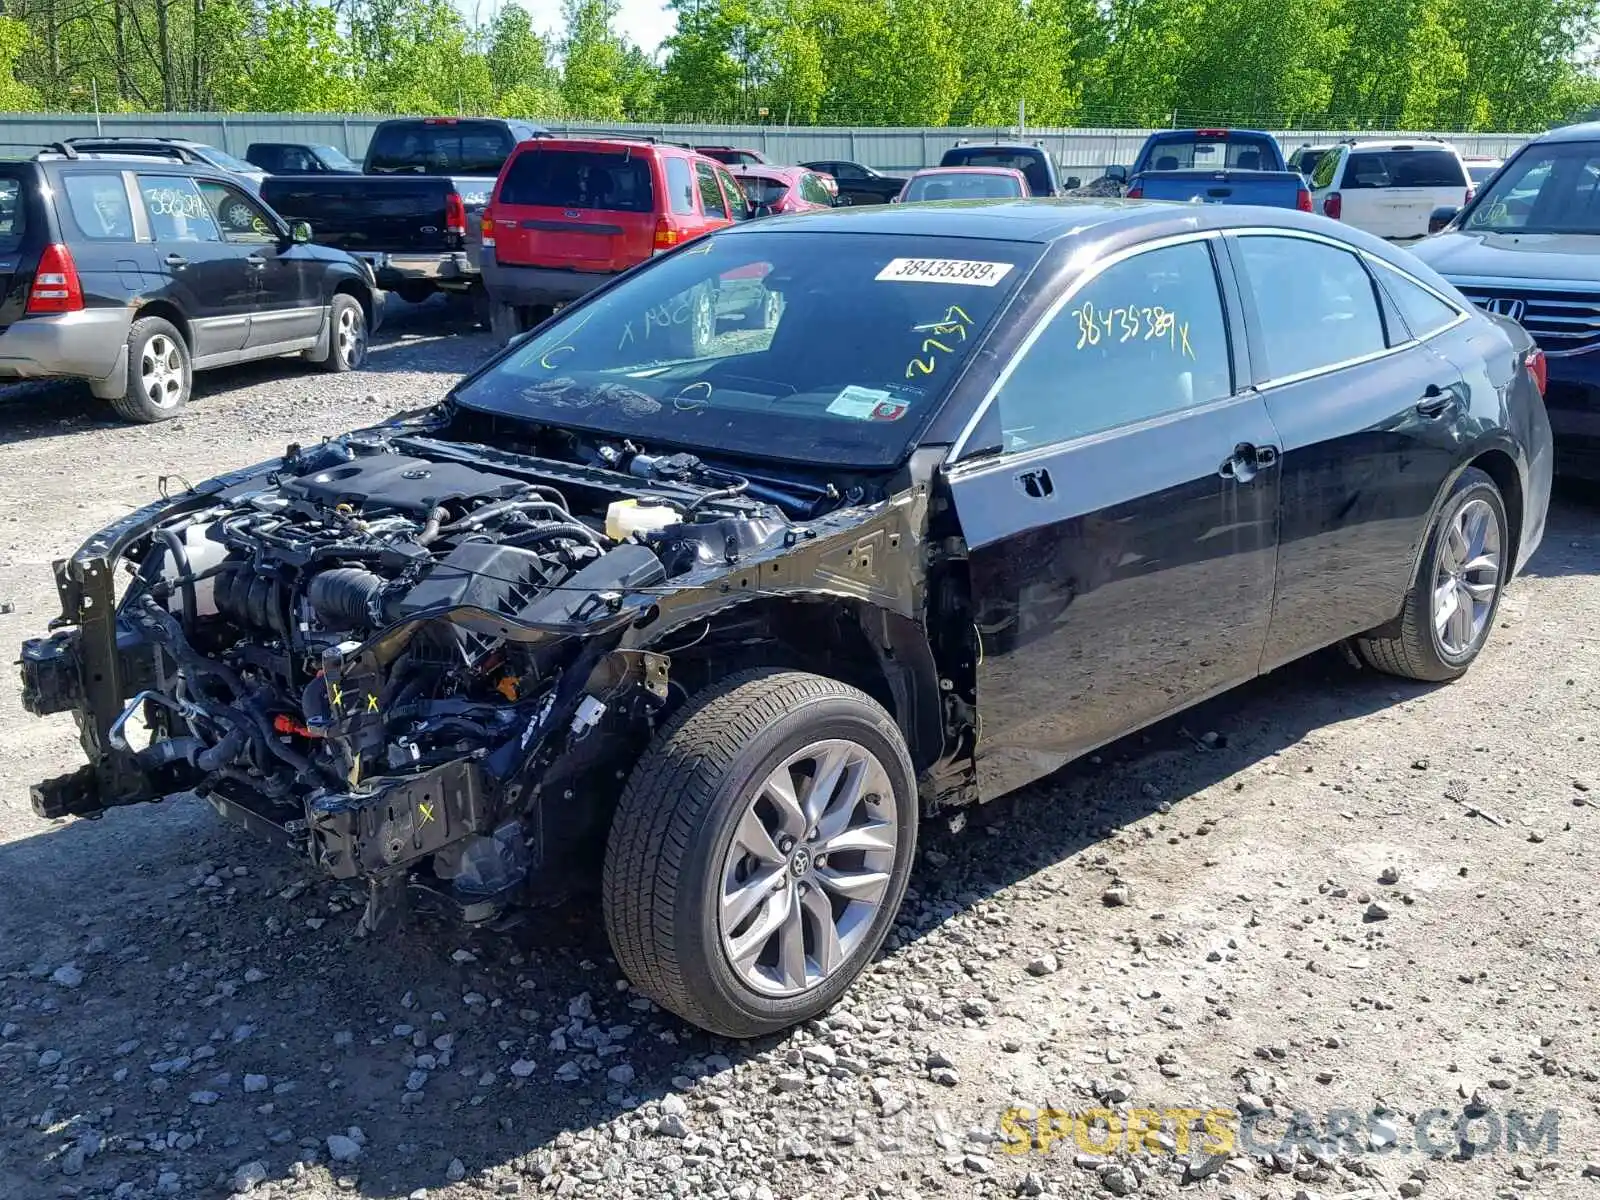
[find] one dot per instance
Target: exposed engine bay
(376, 648)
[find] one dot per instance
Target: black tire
(505, 322)
(347, 335)
(696, 334)
(1410, 646)
(677, 817)
(414, 293)
(160, 374)
(766, 314)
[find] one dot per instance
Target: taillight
(1332, 205)
(1136, 192)
(666, 235)
(486, 229)
(1302, 200)
(1539, 369)
(455, 214)
(55, 284)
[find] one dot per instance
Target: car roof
(1588, 131)
(1053, 220)
(967, 171)
(1396, 143)
(1028, 146)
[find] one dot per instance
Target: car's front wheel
(347, 335)
(1452, 603)
(760, 851)
(159, 373)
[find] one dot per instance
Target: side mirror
(1442, 216)
(300, 232)
(1117, 174)
(1073, 182)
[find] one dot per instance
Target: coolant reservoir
(624, 518)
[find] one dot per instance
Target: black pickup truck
(413, 211)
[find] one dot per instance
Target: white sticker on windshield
(859, 403)
(945, 270)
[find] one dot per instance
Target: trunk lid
(576, 207)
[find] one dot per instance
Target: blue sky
(645, 22)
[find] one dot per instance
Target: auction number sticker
(945, 270)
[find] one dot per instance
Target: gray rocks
(67, 975)
(1118, 895)
(671, 1125)
(456, 1171)
(247, 1175)
(1376, 912)
(1045, 964)
(256, 1083)
(1389, 875)
(343, 1149)
(49, 1059)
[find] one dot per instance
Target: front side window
(1145, 337)
(99, 205)
(177, 211)
(1554, 188)
(738, 206)
(239, 218)
(869, 334)
(1423, 312)
(710, 193)
(1315, 303)
(812, 189)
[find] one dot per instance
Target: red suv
(568, 214)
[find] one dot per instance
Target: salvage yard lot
(1344, 893)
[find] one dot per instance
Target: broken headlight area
(377, 650)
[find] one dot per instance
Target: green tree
(301, 62)
(524, 82)
(15, 96)
(592, 61)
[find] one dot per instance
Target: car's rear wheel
(347, 335)
(160, 374)
(506, 321)
(1450, 608)
(765, 314)
(695, 334)
(760, 851)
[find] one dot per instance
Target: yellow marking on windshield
(955, 324)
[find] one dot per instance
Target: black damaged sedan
(716, 609)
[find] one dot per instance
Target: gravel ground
(1328, 893)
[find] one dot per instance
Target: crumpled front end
(372, 650)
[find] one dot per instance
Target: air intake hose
(346, 597)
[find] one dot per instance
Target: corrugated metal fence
(886, 149)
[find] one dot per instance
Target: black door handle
(177, 260)
(1246, 460)
(1436, 401)
(1036, 484)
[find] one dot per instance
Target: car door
(287, 309)
(207, 278)
(1366, 414)
(1122, 540)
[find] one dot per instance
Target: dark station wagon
(717, 624)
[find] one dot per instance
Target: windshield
(808, 346)
(336, 158)
(451, 148)
(227, 161)
(1553, 188)
(1239, 152)
(1032, 163)
(1480, 173)
(1403, 169)
(963, 187)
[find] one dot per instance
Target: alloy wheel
(161, 372)
(350, 336)
(808, 867)
(1467, 578)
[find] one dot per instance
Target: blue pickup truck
(1214, 166)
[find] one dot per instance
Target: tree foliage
(1465, 64)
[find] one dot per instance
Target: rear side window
(680, 186)
(1327, 168)
(1403, 168)
(580, 179)
(1243, 153)
(1315, 304)
(759, 189)
(13, 210)
(99, 205)
(1423, 312)
(459, 148)
(812, 189)
(1144, 338)
(710, 193)
(178, 213)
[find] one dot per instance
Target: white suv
(1390, 188)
